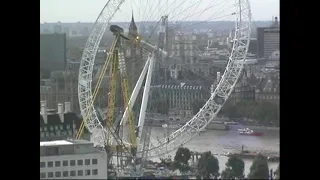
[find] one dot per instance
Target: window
(72, 162)
(80, 172)
(57, 174)
(94, 172)
(42, 175)
(65, 173)
(94, 161)
(65, 163)
(42, 164)
(87, 172)
(80, 162)
(50, 174)
(50, 164)
(57, 164)
(87, 162)
(72, 173)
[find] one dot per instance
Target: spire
(132, 24)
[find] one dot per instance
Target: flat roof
(55, 143)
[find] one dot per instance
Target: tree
(259, 168)
(229, 110)
(160, 104)
(234, 168)
(208, 165)
(266, 112)
(163, 105)
(181, 159)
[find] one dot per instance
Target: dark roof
(265, 86)
(261, 84)
(69, 119)
(253, 80)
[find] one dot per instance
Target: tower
(133, 30)
(133, 55)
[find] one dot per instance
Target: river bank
(255, 127)
(232, 127)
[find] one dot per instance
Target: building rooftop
(55, 127)
(64, 142)
(67, 147)
(55, 143)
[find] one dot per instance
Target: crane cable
(105, 66)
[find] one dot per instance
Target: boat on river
(249, 132)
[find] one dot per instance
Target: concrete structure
(253, 46)
(273, 61)
(271, 40)
(52, 52)
(72, 160)
(180, 97)
(70, 29)
(264, 80)
(243, 90)
(260, 41)
(184, 48)
(268, 39)
(61, 86)
(268, 88)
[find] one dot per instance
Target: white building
(72, 160)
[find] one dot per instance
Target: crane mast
(112, 88)
(118, 63)
(116, 59)
(126, 99)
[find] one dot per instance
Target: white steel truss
(207, 112)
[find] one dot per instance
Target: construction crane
(119, 64)
(115, 56)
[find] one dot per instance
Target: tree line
(263, 112)
(208, 166)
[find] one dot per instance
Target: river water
(229, 141)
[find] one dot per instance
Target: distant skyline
(88, 11)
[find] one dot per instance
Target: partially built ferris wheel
(151, 49)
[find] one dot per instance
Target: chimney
(212, 89)
(276, 22)
(60, 112)
(218, 77)
(67, 107)
(43, 111)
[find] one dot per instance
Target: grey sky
(88, 10)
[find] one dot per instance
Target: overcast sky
(88, 10)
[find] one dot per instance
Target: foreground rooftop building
(76, 159)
